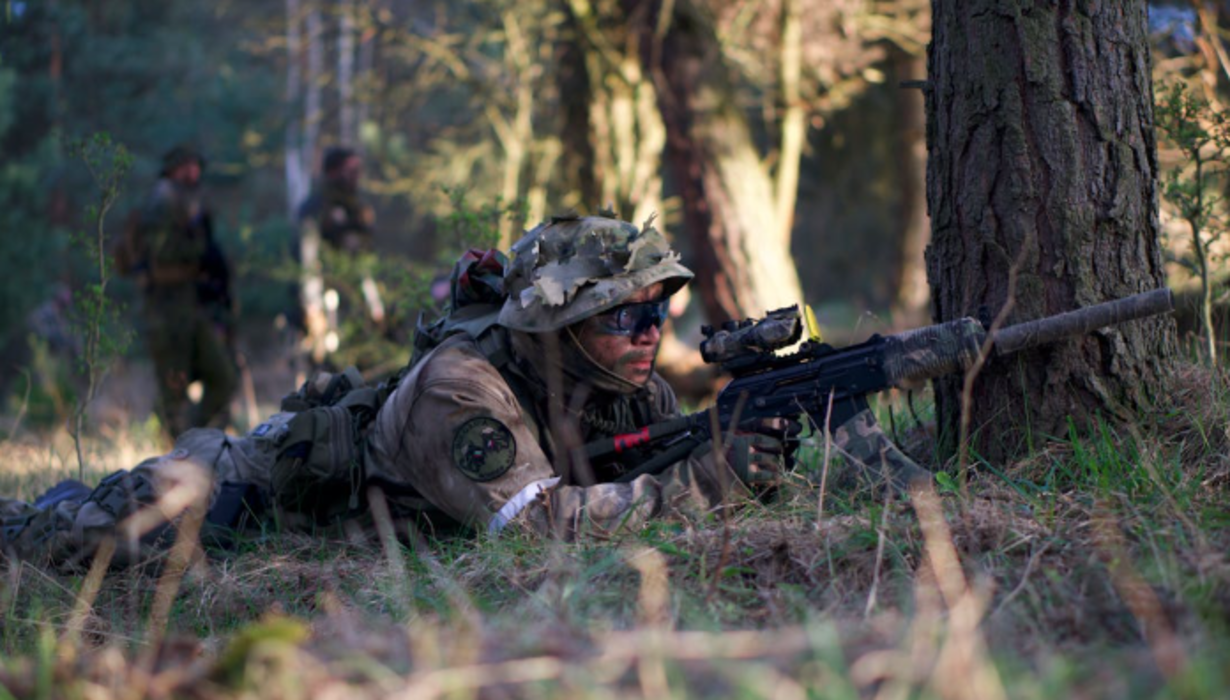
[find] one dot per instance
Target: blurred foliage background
(527, 107)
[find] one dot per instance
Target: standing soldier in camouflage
(481, 429)
(187, 298)
(334, 216)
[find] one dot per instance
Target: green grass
(1095, 567)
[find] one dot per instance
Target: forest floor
(1096, 568)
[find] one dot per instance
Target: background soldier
(333, 215)
(481, 428)
(186, 282)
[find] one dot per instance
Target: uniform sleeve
(456, 433)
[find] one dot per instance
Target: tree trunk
(347, 132)
(738, 216)
(1042, 170)
(579, 151)
(313, 114)
(297, 178)
(910, 304)
(516, 134)
(626, 133)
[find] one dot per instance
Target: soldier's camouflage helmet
(571, 267)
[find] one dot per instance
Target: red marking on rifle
(623, 442)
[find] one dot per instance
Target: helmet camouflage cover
(570, 268)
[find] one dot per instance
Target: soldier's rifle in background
(818, 376)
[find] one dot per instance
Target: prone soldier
(536, 357)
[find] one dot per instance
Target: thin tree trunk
(912, 294)
(296, 180)
(626, 131)
(1043, 162)
(573, 85)
(347, 133)
(363, 80)
(738, 216)
(312, 113)
(516, 136)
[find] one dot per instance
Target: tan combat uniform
(458, 433)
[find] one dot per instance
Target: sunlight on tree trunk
(738, 214)
(625, 127)
(912, 293)
(516, 136)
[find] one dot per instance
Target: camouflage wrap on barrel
(932, 351)
(1047, 330)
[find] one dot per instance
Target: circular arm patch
(483, 449)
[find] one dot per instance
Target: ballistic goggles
(634, 319)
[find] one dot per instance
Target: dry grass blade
(828, 454)
(963, 670)
(653, 599)
(984, 353)
(83, 606)
(195, 488)
(1138, 595)
(881, 535)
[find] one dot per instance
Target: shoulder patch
(484, 449)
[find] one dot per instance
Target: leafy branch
(96, 317)
(1202, 135)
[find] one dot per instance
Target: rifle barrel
(1048, 330)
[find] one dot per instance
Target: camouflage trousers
(186, 346)
(139, 510)
(871, 458)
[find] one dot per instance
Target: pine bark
(1042, 162)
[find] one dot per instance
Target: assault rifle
(817, 375)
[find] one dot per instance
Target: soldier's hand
(784, 430)
(757, 459)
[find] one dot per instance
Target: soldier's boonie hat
(571, 267)
(179, 155)
(335, 157)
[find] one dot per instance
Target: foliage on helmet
(570, 268)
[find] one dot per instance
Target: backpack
(476, 294)
(319, 468)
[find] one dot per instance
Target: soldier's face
(187, 174)
(350, 172)
(630, 355)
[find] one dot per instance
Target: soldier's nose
(649, 336)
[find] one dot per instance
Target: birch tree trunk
(363, 80)
(312, 113)
(738, 214)
(1042, 190)
(297, 177)
(347, 132)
